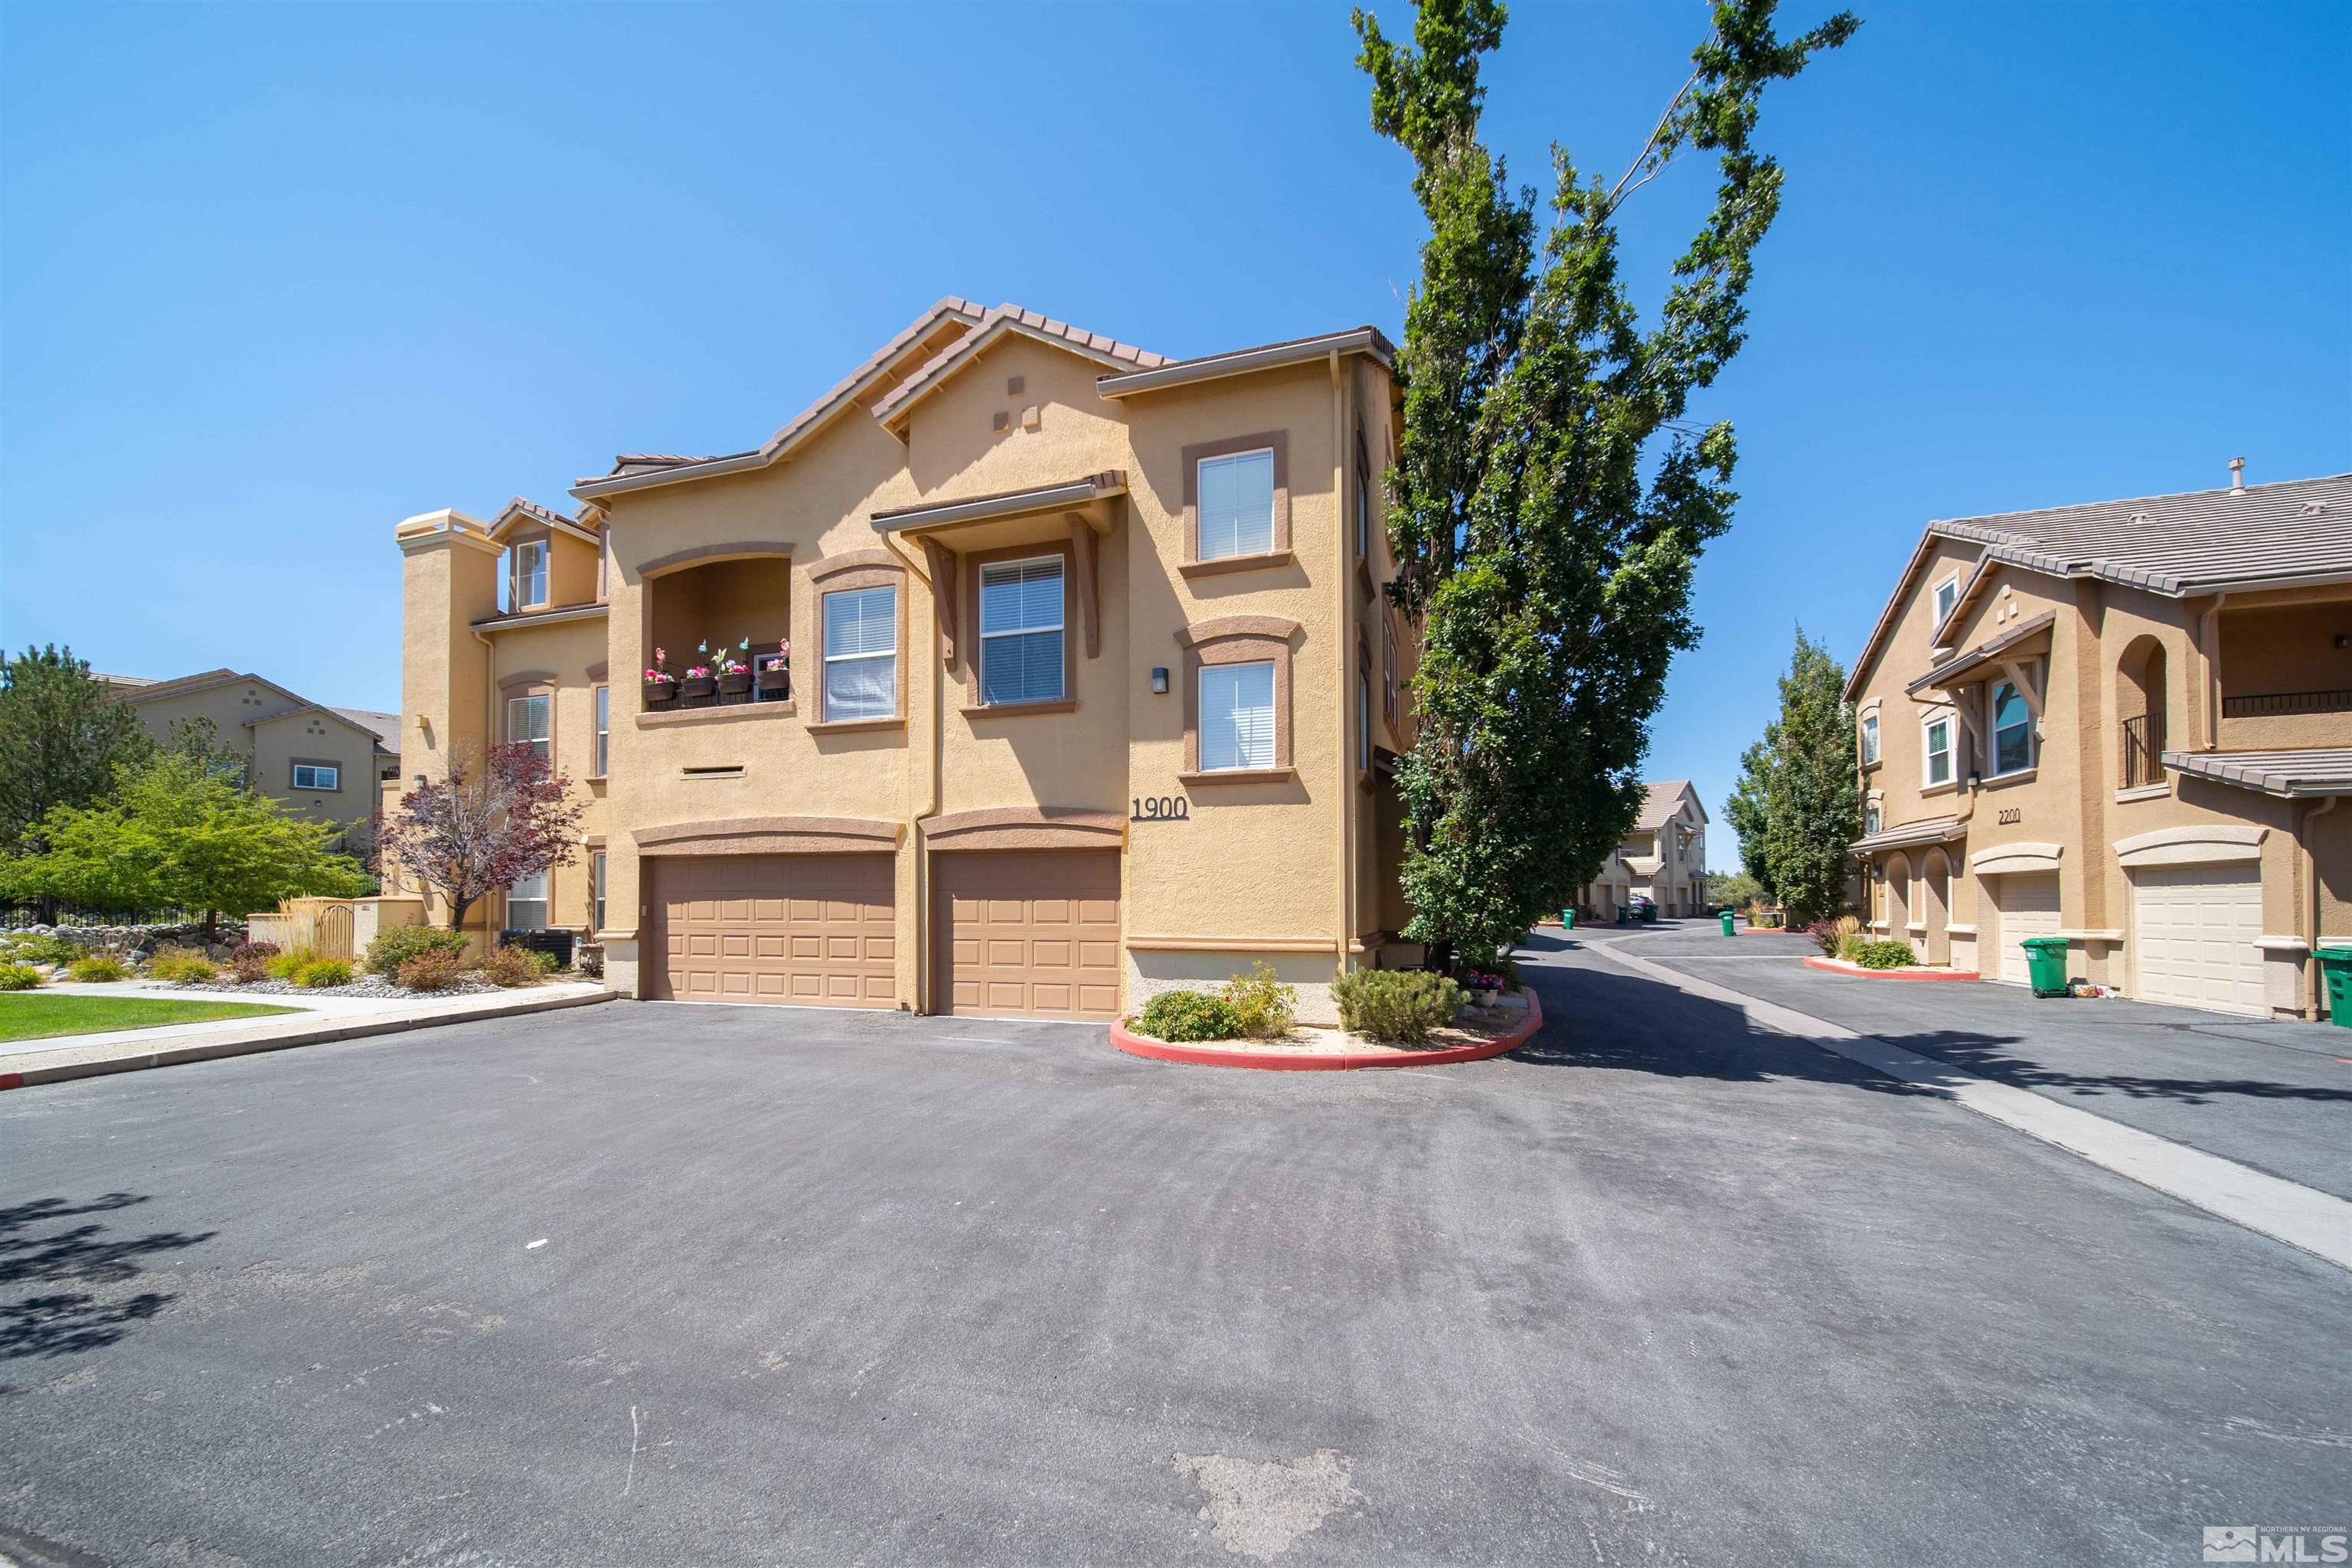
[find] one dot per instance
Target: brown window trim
(1278, 441)
(293, 763)
(1225, 563)
(1238, 639)
(843, 574)
(972, 567)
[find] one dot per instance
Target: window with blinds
(1236, 716)
(1021, 652)
(1236, 505)
(861, 654)
(526, 722)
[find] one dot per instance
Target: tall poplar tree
(1548, 505)
(1813, 809)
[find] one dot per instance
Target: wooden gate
(321, 925)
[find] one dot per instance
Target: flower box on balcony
(661, 695)
(697, 690)
(775, 682)
(735, 686)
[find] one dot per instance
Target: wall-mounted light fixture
(1160, 680)
(421, 781)
(1976, 779)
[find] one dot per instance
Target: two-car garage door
(1020, 932)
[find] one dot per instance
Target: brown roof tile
(1004, 318)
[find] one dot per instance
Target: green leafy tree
(199, 738)
(1733, 889)
(1549, 504)
(61, 740)
(1747, 813)
(179, 835)
(1812, 812)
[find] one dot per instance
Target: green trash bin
(2045, 964)
(2335, 980)
(1568, 919)
(1729, 918)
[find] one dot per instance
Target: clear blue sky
(272, 277)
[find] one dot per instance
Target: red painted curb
(11, 1080)
(1832, 966)
(1206, 1056)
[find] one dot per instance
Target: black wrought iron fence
(16, 917)
(2272, 704)
(2143, 757)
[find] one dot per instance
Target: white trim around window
(527, 903)
(527, 589)
(597, 892)
(318, 775)
(1948, 594)
(861, 653)
(1237, 717)
(1237, 504)
(2011, 722)
(1870, 738)
(526, 721)
(603, 731)
(1936, 752)
(1022, 654)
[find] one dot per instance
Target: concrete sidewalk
(319, 1020)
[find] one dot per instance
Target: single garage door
(1028, 934)
(815, 930)
(2194, 928)
(2027, 903)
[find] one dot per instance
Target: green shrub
(18, 977)
(182, 969)
(434, 969)
(1189, 1015)
(98, 966)
(1883, 954)
(321, 972)
(287, 965)
(1399, 1004)
(32, 947)
(395, 947)
(511, 966)
(1263, 1005)
(544, 963)
(249, 960)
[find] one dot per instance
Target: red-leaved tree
(490, 823)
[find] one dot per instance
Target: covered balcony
(2285, 677)
(720, 623)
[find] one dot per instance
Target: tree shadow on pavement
(64, 1285)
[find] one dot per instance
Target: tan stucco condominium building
(1092, 687)
(323, 763)
(2128, 725)
(1662, 858)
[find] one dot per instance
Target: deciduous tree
(61, 740)
(493, 821)
(1747, 813)
(1813, 810)
(1549, 503)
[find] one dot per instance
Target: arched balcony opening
(2140, 707)
(728, 616)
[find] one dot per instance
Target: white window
(1237, 504)
(1021, 650)
(2013, 731)
(861, 654)
(527, 903)
(317, 775)
(529, 586)
(1870, 820)
(1236, 716)
(1363, 722)
(1948, 594)
(596, 888)
(603, 729)
(1937, 748)
(1869, 739)
(527, 722)
(604, 566)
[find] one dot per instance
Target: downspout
(931, 802)
(2314, 980)
(1342, 642)
(2209, 650)
(489, 727)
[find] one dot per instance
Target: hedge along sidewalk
(1901, 971)
(1293, 1059)
(323, 1019)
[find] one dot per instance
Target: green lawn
(30, 1015)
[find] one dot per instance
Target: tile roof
(1011, 317)
(1935, 830)
(1944, 674)
(1241, 362)
(2315, 771)
(385, 725)
(1658, 807)
(2179, 544)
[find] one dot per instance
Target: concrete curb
(251, 1044)
(2303, 1217)
(1210, 1055)
(1837, 967)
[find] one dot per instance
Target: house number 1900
(1160, 808)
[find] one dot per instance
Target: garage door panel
(2194, 935)
(1030, 932)
(809, 929)
(2026, 904)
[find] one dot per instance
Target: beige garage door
(1028, 934)
(817, 931)
(2194, 931)
(2027, 903)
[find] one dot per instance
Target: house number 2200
(2009, 815)
(1160, 808)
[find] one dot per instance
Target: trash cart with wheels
(1568, 919)
(1730, 921)
(2045, 964)
(2335, 982)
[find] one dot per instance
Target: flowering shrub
(1263, 1005)
(249, 960)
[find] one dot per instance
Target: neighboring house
(325, 764)
(1094, 689)
(1663, 858)
(2128, 725)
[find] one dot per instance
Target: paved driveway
(2277, 1097)
(833, 1288)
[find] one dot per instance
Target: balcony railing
(2143, 751)
(718, 691)
(2273, 704)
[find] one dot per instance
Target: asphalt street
(656, 1284)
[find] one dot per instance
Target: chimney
(2237, 476)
